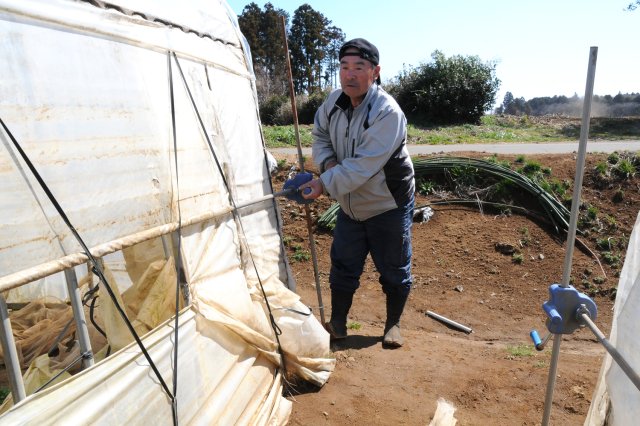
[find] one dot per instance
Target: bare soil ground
(492, 376)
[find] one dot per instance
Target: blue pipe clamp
(562, 309)
(563, 312)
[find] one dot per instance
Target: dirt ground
(492, 376)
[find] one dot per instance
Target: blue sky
(541, 47)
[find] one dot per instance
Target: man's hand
(312, 190)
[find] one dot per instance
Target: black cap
(366, 50)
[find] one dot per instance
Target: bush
(283, 115)
(270, 108)
(308, 106)
(625, 169)
(451, 90)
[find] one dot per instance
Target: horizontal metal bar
(45, 269)
(26, 276)
(265, 198)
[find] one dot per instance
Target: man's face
(356, 76)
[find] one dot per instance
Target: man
(359, 144)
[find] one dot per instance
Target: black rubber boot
(395, 307)
(340, 305)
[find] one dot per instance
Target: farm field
(493, 375)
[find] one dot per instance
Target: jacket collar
(344, 102)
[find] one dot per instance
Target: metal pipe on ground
(447, 321)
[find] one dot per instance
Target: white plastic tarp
(616, 399)
(85, 89)
(229, 388)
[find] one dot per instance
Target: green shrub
(531, 168)
(604, 243)
(453, 90)
(602, 169)
(425, 187)
(270, 108)
(610, 258)
(625, 169)
(282, 163)
(560, 187)
(300, 254)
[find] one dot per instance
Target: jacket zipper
(353, 149)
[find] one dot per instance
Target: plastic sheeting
(221, 380)
(86, 91)
(616, 400)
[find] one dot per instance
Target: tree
(332, 64)
(458, 89)
(506, 103)
(313, 43)
(263, 31)
(633, 6)
(250, 21)
(517, 106)
(308, 40)
(274, 55)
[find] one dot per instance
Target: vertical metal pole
(10, 354)
(307, 210)
(573, 224)
(78, 316)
